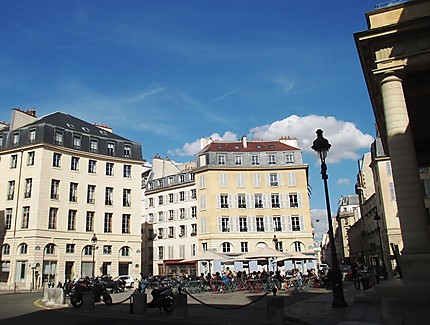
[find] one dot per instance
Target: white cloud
(345, 137)
(190, 149)
(343, 181)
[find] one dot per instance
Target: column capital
(391, 75)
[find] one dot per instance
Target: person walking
(355, 276)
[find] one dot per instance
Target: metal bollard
(139, 303)
(275, 310)
(180, 305)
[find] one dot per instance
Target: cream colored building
(253, 194)
(63, 181)
(171, 216)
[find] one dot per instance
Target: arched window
(6, 249)
(226, 247)
(23, 248)
(298, 246)
(125, 251)
(50, 249)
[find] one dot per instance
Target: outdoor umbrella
(206, 256)
(294, 256)
(262, 253)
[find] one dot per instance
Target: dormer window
(127, 151)
(221, 159)
(111, 148)
(15, 140)
(32, 136)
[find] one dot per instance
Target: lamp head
(94, 239)
(321, 145)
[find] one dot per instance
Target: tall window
(181, 196)
(92, 166)
(243, 224)
(25, 217)
(56, 160)
(255, 160)
(241, 201)
(225, 226)
(111, 148)
(13, 161)
(272, 159)
(193, 212)
(76, 142)
(11, 190)
(127, 171)
(15, 139)
(160, 252)
(221, 159)
(170, 197)
(125, 223)
(193, 194)
(32, 136)
(275, 200)
(74, 163)
(273, 179)
(244, 247)
(6, 249)
(277, 226)
(289, 158)
(8, 218)
(91, 194)
(58, 138)
(70, 248)
(30, 158)
(293, 200)
(28, 186)
(107, 249)
(258, 200)
(89, 222)
(109, 196)
(71, 220)
(126, 197)
(52, 220)
(259, 223)
(238, 159)
(160, 200)
(193, 229)
(278, 246)
(181, 213)
(108, 223)
(224, 200)
(23, 248)
(73, 194)
(295, 223)
(127, 151)
(109, 169)
(94, 146)
(55, 189)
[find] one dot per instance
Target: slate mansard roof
(47, 126)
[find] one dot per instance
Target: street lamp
(94, 243)
(377, 217)
(322, 146)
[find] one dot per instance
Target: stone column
(410, 201)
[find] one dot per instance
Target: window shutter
(236, 224)
(281, 200)
(287, 200)
(290, 225)
(278, 175)
(251, 223)
(219, 224)
(218, 201)
(302, 224)
(250, 201)
(283, 223)
(203, 224)
(264, 201)
(230, 199)
(291, 179)
(268, 180)
(267, 224)
(236, 199)
(299, 199)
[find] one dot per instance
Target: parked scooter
(162, 298)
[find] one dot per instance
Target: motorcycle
(76, 291)
(162, 298)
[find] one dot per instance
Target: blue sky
(167, 73)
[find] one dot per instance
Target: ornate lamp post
(377, 217)
(322, 146)
(94, 243)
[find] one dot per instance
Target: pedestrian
(354, 274)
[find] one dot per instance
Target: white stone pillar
(410, 201)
